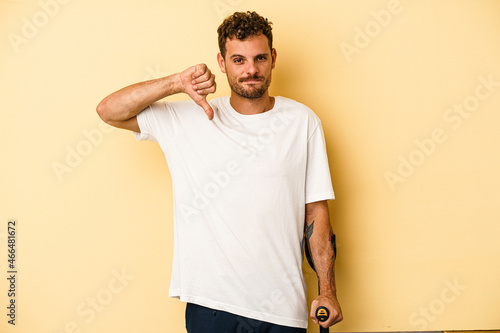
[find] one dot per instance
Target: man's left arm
(319, 234)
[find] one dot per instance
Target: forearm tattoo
(309, 230)
(330, 275)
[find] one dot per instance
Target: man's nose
(251, 68)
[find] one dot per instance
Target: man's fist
(332, 304)
(198, 81)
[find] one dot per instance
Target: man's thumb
(208, 109)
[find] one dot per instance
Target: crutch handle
(322, 315)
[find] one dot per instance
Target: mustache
(252, 78)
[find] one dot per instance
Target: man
(246, 184)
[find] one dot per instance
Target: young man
(247, 181)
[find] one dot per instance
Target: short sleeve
(149, 121)
(162, 120)
(318, 179)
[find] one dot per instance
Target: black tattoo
(330, 275)
(309, 230)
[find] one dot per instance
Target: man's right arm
(121, 107)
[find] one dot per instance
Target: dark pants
(200, 319)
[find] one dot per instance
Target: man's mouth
(252, 80)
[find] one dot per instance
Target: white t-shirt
(240, 185)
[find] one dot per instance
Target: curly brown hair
(241, 25)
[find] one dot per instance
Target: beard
(251, 92)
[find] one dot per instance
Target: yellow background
(418, 244)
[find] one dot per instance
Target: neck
(251, 105)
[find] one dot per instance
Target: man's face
(248, 65)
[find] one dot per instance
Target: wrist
(176, 84)
(328, 289)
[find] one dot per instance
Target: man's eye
(238, 60)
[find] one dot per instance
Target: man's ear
(274, 56)
(221, 62)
